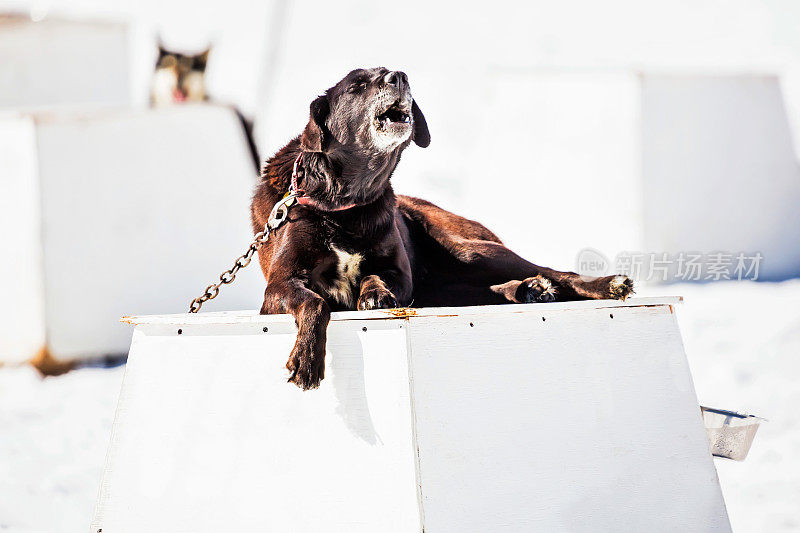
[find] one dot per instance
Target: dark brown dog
(351, 243)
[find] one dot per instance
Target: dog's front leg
(311, 314)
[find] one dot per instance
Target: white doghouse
(577, 416)
(115, 211)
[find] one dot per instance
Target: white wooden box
(553, 417)
(117, 211)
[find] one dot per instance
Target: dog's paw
(376, 298)
(620, 287)
(537, 289)
(306, 369)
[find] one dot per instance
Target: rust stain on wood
(402, 312)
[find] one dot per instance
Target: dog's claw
(378, 298)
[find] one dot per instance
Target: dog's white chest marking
(348, 270)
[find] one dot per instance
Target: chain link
(276, 218)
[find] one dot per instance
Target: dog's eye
(357, 87)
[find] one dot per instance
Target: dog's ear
(421, 134)
(313, 138)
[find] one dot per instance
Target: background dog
(351, 243)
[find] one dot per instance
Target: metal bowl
(730, 434)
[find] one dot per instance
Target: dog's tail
(247, 127)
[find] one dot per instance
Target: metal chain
(277, 217)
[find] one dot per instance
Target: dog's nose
(396, 78)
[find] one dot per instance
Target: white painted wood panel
(210, 437)
(22, 327)
(250, 316)
(578, 422)
(140, 209)
(719, 170)
(452, 419)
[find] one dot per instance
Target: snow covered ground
(742, 339)
(743, 344)
(53, 438)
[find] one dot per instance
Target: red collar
(300, 194)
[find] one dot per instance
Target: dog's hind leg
(499, 269)
(460, 254)
(570, 286)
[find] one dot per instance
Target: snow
(53, 442)
(742, 340)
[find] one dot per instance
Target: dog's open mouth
(395, 117)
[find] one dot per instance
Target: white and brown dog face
(385, 98)
(358, 129)
(371, 111)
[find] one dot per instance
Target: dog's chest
(342, 283)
